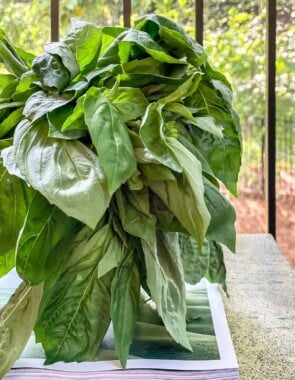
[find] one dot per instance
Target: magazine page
(152, 348)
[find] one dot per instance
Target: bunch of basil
(113, 143)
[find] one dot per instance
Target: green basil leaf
(173, 37)
(55, 173)
(56, 120)
(218, 150)
(207, 124)
(196, 152)
(165, 280)
(76, 119)
(184, 90)
(153, 137)
(40, 103)
(195, 261)
(216, 272)
(9, 56)
(125, 293)
(17, 319)
(5, 79)
(11, 121)
(84, 39)
(7, 262)
(129, 102)
(192, 170)
(66, 56)
(80, 302)
(25, 87)
(14, 201)
(144, 40)
(135, 213)
(156, 172)
(223, 217)
(43, 228)
(53, 75)
(110, 138)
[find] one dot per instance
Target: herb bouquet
(113, 143)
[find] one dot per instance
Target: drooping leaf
(14, 201)
(223, 216)
(17, 319)
(218, 150)
(192, 170)
(135, 213)
(216, 271)
(43, 228)
(80, 302)
(195, 261)
(110, 138)
(165, 280)
(125, 293)
(10, 57)
(153, 137)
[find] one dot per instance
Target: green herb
(113, 143)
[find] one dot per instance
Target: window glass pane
(27, 23)
(103, 12)
(234, 37)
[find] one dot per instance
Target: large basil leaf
(144, 40)
(110, 138)
(129, 102)
(165, 280)
(17, 319)
(218, 151)
(77, 314)
(40, 103)
(66, 56)
(135, 213)
(153, 137)
(195, 261)
(43, 228)
(223, 216)
(52, 167)
(51, 72)
(84, 39)
(173, 37)
(125, 293)
(14, 202)
(192, 170)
